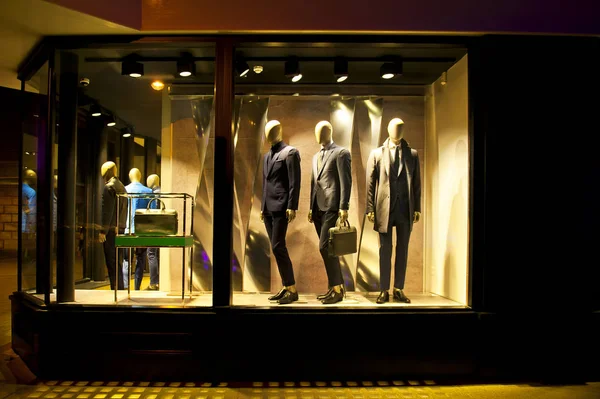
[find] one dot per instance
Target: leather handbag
(342, 240)
(156, 222)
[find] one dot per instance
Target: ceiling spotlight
(95, 110)
(126, 132)
(241, 66)
(130, 66)
(292, 69)
(258, 69)
(110, 121)
(391, 69)
(157, 85)
(340, 69)
(186, 65)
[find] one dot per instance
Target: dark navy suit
(281, 191)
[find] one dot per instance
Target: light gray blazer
(378, 183)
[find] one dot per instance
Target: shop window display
(355, 138)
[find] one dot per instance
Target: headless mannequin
(323, 136)
(274, 135)
(396, 134)
(108, 171)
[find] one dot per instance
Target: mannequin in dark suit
(393, 199)
(281, 191)
(331, 182)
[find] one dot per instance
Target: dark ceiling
(134, 101)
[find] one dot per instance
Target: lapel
(386, 156)
(325, 159)
(275, 158)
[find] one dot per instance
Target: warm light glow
(342, 78)
(135, 75)
(244, 73)
(387, 75)
(258, 68)
(297, 77)
(111, 123)
(185, 73)
(97, 114)
(126, 134)
(157, 85)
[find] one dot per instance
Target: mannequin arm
(310, 219)
(372, 177)
(291, 215)
(342, 216)
(344, 167)
(371, 216)
(294, 178)
(262, 217)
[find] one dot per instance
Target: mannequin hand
(102, 237)
(291, 215)
(417, 217)
(342, 216)
(310, 220)
(371, 217)
(262, 217)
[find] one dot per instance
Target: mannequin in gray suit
(393, 199)
(331, 182)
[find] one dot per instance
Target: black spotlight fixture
(95, 110)
(111, 121)
(186, 65)
(241, 66)
(340, 69)
(132, 67)
(391, 69)
(292, 69)
(126, 132)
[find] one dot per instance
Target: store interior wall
(446, 190)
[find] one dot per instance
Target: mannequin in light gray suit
(330, 185)
(393, 199)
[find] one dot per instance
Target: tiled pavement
(306, 390)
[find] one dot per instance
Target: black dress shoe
(288, 297)
(384, 297)
(279, 295)
(400, 297)
(325, 295)
(334, 297)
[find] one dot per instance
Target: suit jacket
(281, 179)
(378, 183)
(109, 206)
(331, 185)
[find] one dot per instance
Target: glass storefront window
(354, 104)
(134, 137)
(34, 125)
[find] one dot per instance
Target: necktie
(320, 159)
(397, 159)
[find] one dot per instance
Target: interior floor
(160, 298)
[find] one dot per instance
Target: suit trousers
(111, 261)
(398, 218)
(277, 224)
(323, 222)
(153, 259)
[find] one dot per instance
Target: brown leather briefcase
(342, 240)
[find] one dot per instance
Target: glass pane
(137, 142)
(35, 124)
(317, 129)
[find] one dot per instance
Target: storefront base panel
(161, 344)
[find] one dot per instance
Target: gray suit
(393, 195)
(330, 188)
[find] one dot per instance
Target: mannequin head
(108, 170)
(153, 181)
(135, 175)
(273, 132)
(30, 177)
(396, 130)
(323, 132)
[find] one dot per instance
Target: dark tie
(397, 159)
